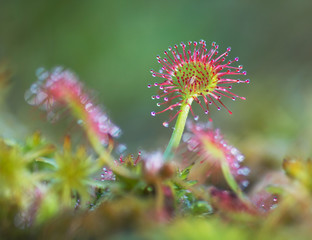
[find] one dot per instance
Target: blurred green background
(112, 45)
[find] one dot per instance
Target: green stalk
(178, 130)
(230, 179)
(106, 157)
(97, 146)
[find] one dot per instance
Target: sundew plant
(193, 186)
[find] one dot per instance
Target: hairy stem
(230, 179)
(96, 144)
(178, 130)
(106, 157)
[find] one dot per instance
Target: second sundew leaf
(214, 153)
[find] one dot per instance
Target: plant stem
(230, 179)
(99, 149)
(106, 157)
(178, 130)
(160, 198)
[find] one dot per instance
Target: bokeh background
(112, 45)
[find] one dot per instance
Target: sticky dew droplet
(80, 122)
(244, 183)
(121, 148)
(165, 124)
(88, 106)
